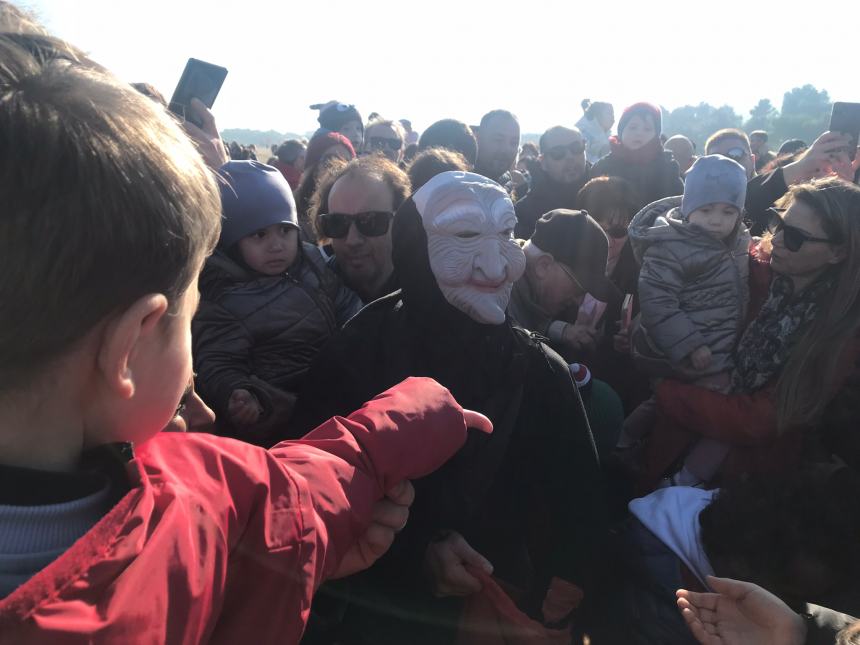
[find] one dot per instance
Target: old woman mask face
(469, 221)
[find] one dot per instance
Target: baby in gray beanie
(693, 285)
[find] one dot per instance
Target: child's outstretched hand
(243, 408)
(701, 358)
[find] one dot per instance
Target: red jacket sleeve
(347, 464)
(313, 497)
(746, 419)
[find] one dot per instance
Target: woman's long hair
(808, 380)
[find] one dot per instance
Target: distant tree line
(805, 114)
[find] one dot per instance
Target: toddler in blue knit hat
(693, 286)
(269, 303)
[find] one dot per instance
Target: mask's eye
(467, 235)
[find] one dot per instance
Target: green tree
(698, 122)
(762, 117)
(805, 114)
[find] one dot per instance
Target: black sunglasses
(377, 143)
(792, 237)
(557, 153)
(369, 224)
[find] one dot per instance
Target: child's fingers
(402, 493)
(477, 421)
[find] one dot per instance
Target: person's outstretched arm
(300, 509)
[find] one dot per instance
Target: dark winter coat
(391, 285)
(497, 489)
(653, 180)
(545, 195)
(616, 368)
(762, 192)
(261, 333)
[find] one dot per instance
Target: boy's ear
(121, 341)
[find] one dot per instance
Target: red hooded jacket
(222, 542)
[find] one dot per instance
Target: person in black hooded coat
(528, 497)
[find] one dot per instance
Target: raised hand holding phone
(200, 80)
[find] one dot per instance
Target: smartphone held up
(845, 119)
(200, 80)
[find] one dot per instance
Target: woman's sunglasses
(369, 224)
(792, 237)
(557, 153)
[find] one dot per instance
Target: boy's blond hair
(104, 199)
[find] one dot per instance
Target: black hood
(455, 347)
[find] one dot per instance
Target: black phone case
(845, 118)
(200, 80)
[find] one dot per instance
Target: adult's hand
(826, 155)
(740, 613)
(445, 564)
(580, 337)
(243, 408)
(390, 515)
(207, 139)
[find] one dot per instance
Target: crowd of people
(391, 387)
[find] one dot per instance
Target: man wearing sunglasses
(734, 144)
(355, 208)
(386, 138)
(563, 172)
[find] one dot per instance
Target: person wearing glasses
(269, 303)
(796, 352)
(352, 211)
(563, 171)
(734, 144)
(637, 155)
(385, 137)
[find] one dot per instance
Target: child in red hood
(111, 531)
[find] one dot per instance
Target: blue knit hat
(253, 196)
(714, 180)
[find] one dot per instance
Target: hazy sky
(433, 59)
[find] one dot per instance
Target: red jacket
(290, 173)
(219, 541)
